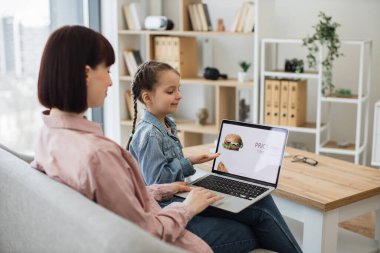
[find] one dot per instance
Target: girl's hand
(196, 159)
(180, 187)
(200, 198)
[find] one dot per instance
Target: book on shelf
(197, 25)
(250, 18)
(208, 18)
(236, 19)
(133, 60)
(130, 107)
(202, 16)
(193, 21)
(133, 16)
(244, 18)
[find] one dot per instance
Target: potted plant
(242, 75)
(325, 35)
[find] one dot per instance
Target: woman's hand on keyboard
(200, 198)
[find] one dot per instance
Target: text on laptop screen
(250, 152)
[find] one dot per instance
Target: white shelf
(332, 148)
(281, 74)
(186, 33)
(344, 100)
(360, 100)
(309, 128)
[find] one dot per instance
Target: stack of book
(285, 102)
(244, 20)
(133, 16)
(180, 52)
(199, 17)
(133, 60)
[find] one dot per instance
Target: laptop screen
(250, 151)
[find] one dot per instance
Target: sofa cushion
(38, 214)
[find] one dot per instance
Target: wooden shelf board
(185, 33)
(125, 78)
(333, 144)
(187, 126)
(201, 81)
(191, 126)
(224, 83)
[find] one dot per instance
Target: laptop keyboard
(231, 187)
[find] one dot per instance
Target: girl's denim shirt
(158, 152)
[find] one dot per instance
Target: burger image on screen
(221, 167)
(232, 142)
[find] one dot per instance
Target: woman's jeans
(258, 226)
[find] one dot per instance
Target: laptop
(248, 167)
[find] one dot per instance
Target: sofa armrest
(38, 214)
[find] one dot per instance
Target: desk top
(331, 184)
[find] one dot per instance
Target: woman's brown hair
(62, 76)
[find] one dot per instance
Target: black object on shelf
(294, 65)
(213, 74)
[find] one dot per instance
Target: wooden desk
(320, 197)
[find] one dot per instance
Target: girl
(156, 147)
(74, 76)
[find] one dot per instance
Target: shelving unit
(319, 128)
(376, 136)
(224, 94)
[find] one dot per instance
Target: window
(24, 28)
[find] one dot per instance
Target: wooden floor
(364, 225)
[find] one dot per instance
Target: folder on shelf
(243, 16)
(179, 52)
(297, 102)
(268, 102)
(276, 88)
(284, 101)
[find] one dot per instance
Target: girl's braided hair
(145, 79)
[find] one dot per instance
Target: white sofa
(38, 214)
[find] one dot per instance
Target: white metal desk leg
(320, 233)
(377, 227)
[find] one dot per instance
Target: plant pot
(242, 76)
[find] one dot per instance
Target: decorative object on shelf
(244, 109)
(298, 145)
(343, 93)
(213, 74)
(325, 34)
(343, 143)
(294, 65)
(202, 116)
(243, 74)
(221, 27)
(158, 23)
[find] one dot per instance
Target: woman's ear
(87, 70)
